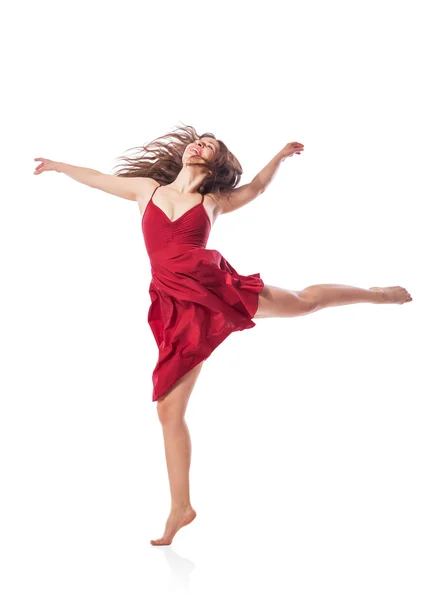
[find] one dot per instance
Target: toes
(161, 542)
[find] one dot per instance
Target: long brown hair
(161, 160)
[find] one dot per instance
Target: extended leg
(333, 294)
(279, 302)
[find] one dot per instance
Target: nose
(198, 145)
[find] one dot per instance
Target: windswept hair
(161, 160)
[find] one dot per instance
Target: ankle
(182, 507)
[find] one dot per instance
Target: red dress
(197, 298)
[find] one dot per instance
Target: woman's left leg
(279, 302)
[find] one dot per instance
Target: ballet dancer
(182, 183)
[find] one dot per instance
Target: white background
(318, 443)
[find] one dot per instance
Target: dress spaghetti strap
(154, 191)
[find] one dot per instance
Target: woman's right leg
(171, 408)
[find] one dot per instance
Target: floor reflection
(180, 570)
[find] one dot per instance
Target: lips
(198, 152)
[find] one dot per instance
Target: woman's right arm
(129, 188)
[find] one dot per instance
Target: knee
(308, 301)
(168, 414)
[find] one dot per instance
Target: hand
(291, 148)
(47, 165)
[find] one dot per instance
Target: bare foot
(178, 518)
(393, 295)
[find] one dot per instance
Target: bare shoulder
(145, 192)
(219, 201)
(148, 185)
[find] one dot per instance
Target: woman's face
(207, 148)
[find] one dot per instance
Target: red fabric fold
(197, 298)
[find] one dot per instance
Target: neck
(189, 180)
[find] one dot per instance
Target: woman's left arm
(239, 197)
(266, 176)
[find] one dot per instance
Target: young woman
(182, 184)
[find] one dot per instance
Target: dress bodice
(190, 230)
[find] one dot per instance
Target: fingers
(299, 147)
(40, 167)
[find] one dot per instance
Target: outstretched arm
(246, 193)
(124, 187)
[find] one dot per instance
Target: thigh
(280, 302)
(172, 405)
